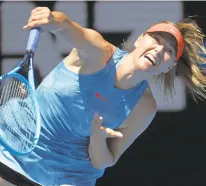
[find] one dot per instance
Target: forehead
(167, 37)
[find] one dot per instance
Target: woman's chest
(84, 101)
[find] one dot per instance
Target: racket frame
(30, 83)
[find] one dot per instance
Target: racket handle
(33, 39)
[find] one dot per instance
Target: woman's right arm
(87, 40)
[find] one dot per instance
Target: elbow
(99, 166)
(102, 164)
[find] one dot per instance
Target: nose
(159, 53)
(159, 49)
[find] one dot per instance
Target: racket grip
(33, 39)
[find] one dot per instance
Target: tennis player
(93, 106)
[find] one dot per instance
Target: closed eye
(171, 48)
(170, 51)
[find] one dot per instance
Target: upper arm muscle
(90, 42)
(137, 122)
(86, 40)
(96, 46)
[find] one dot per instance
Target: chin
(144, 66)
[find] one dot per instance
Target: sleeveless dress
(68, 102)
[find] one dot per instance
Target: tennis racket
(19, 111)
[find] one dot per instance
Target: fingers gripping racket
(19, 111)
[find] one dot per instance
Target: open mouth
(151, 59)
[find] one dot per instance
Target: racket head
(19, 115)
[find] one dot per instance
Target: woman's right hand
(41, 17)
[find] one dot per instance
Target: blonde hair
(188, 65)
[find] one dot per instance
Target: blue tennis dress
(68, 102)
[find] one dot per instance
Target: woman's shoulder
(147, 104)
(145, 108)
(149, 98)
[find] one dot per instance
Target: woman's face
(155, 52)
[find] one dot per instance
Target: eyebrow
(174, 47)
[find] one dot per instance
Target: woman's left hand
(98, 129)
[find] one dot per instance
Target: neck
(128, 75)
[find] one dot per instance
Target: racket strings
(17, 113)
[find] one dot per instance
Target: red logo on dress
(97, 94)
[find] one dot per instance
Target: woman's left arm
(105, 151)
(136, 123)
